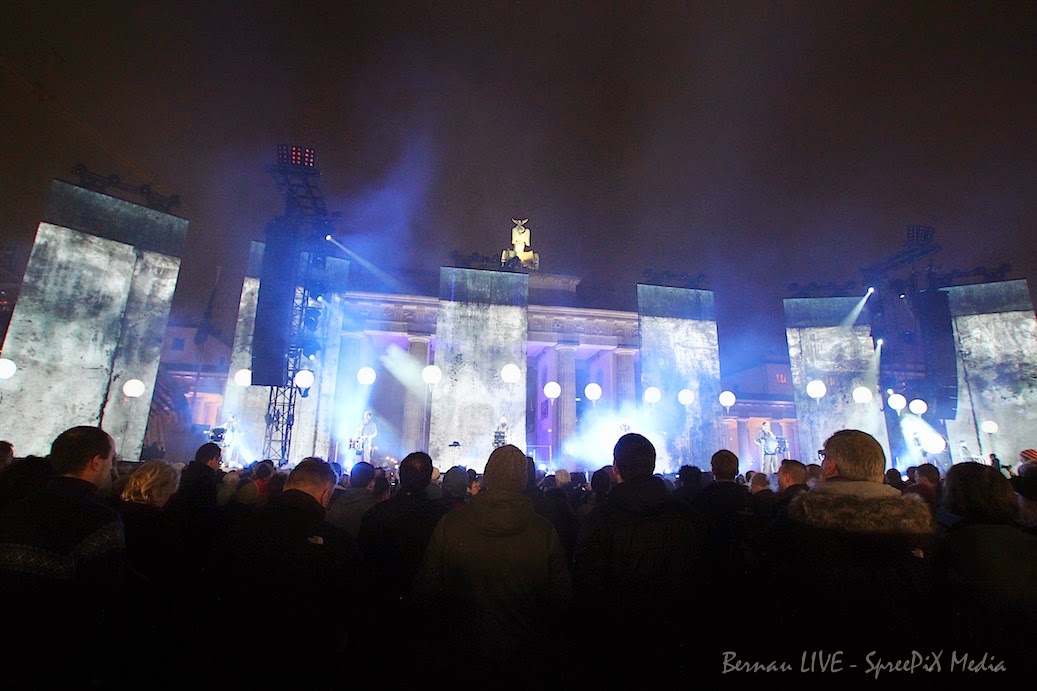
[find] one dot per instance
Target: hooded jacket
(496, 573)
(860, 548)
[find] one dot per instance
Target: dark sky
(760, 143)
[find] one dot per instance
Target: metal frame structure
(298, 181)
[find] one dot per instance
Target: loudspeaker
(277, 282)
(933, 313)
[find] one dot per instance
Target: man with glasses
(860, 545)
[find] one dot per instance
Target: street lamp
(652, 395)
(303, 380)
(593, 392)
(7, 368)
(816, 389)
(133, 388)
(862, 394)
(431, 375)
(243, 377)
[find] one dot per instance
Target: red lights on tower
(296, 156)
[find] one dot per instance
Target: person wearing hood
(495, 574)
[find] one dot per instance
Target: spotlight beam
(381, 275)
(851, 318)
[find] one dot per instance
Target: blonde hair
(152, 483)
(857, 455)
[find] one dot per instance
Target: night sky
(759, 143)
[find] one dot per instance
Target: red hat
(1028, 456)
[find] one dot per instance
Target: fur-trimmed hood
(862, 508)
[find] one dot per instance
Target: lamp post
(7, 368)
(652, 395)
(918, 407)
(431, 375)
(897, 402)
(816, 389)
(593, 392)
(552, 390)
(243, 377)
(990, 428)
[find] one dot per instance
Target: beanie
(505, 469)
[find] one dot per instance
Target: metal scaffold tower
(298, 238)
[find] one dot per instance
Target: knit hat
(1028, 456)
(505, 469)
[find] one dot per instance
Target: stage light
(243, 377)
(897, 402)
(431, 375)
(862, 394)
(328, 237)
(592, 392)
(652, 395)
(880, 342)
(510, 373)
(133, 388)
(989, 426)
(727, 399)
(685, 397)
(552, 390)
(7, 368)
(366, 376)
(918, 406)
(311, 318)
(303, 379)
(870, 291)
(816, 389)
(310, 346)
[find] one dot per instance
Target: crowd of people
(185, 575)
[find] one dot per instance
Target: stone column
(746, 459)
(567, 401)
(626, 386)
(414, 406)
(346, 413)
(325, 425)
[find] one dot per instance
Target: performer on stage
(365, 436)
(223, 435)
(768, 449)
(500, 435)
